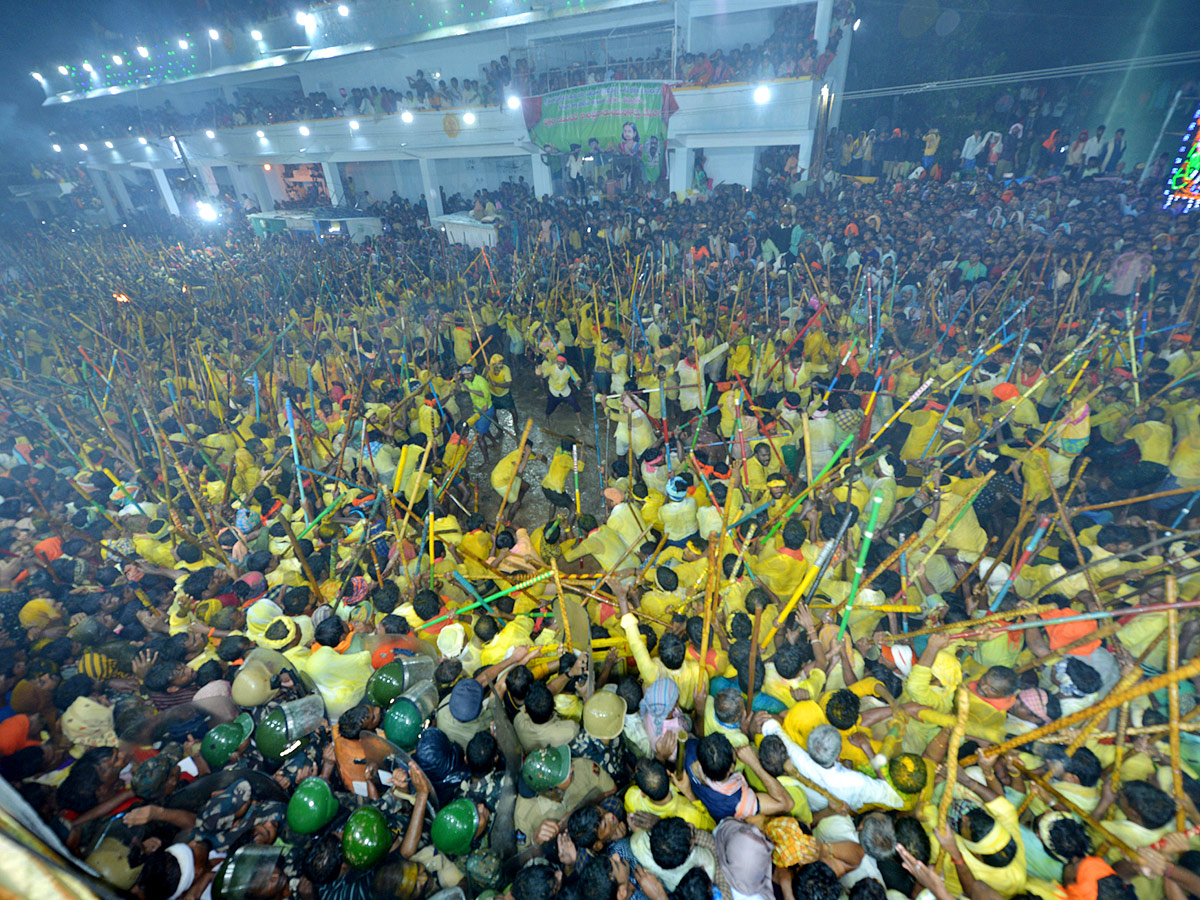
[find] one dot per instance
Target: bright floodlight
(469, 118)
(118, 60)
(37, 76)
(301, 18)
(206, 212)
(256, 35)
(108, 144)
(762, 94)
(56, 148)
(304, 130)
(83, 147)
(142, 141)
(213, 34)
(261, 134)
(343, 10)
(183, 45)
(514, 102)
(857, 22)
(437, 74)
(62, 70)
(354, 124)
(210, 134)
(406, 117)
(143, 52)
(87, 67)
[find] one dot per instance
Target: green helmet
(402, 724)
(312, 806)
(386, 684)
(545, 769)
(271, 736)
(366, 838)
(455, 826)
(223, 741)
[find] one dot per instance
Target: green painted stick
(876, 502)
(508, 590)
(804, 493)
(326, 511)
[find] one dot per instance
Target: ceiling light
(210, 134)
(261, 134)
(62, 70)
(406, 117)
(83, 147)
(354, 124)
(304, 130)
(266, 167)
(142, 141)
(37, 76)
(108, 144)
(213, 34)
(343, 10)
(437, 74)
(301, 18)
(857, 22)
(514, 102)
(87, 67)
(469, 118)
(56, 148)
(183, 45)
(762, 94)
(118, 60)
(143, 52)
(256, 35)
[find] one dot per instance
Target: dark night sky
(1020, 33)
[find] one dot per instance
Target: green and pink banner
(619, 118)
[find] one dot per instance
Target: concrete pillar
(433, 197)
(824, 21)
(543, 183)
(333, 183)
(164, 188)
(258, 189)
(209, 180)
(680, 172)
(106, 200)
(120, 192)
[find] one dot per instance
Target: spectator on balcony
(700, 70)
(451, 92)
(933, 138)
(971, 148)
(421, 87)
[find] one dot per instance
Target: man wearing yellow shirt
(1153, 438)
(559, 378)
(652, 792)
(672, 661)
(499, 378)
(554, 485)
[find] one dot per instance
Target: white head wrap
(187, 868)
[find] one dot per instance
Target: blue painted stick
(296, 456)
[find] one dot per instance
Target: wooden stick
(1173, 701)
(1113, 700)
(1072, 807)
(962, 710)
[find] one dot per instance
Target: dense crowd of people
(767, 544)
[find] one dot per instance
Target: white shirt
(834, 829)
(853, 788)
